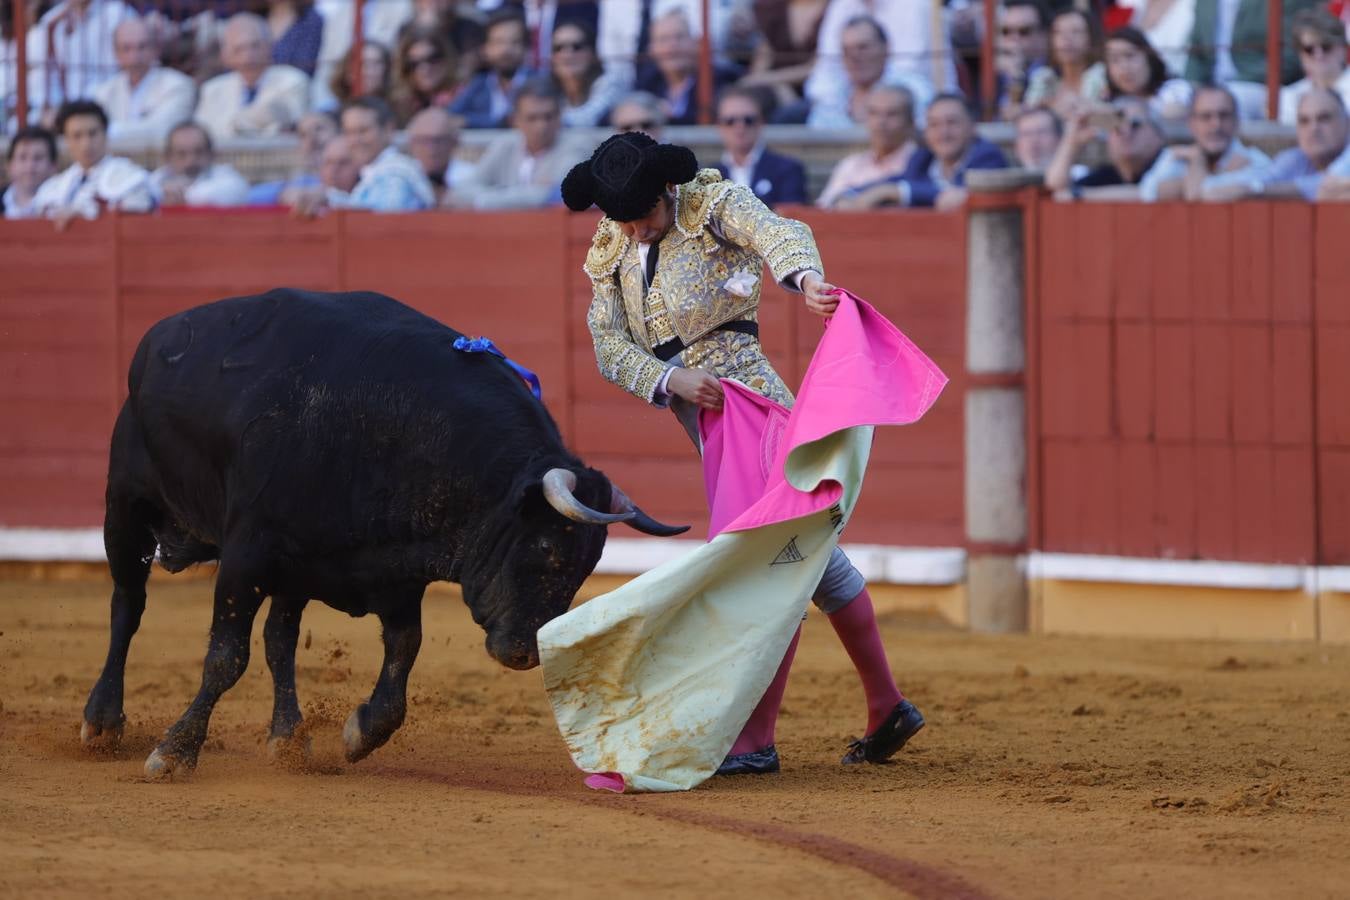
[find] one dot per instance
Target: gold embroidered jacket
(722, 231)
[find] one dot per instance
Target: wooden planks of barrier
(1176, 380)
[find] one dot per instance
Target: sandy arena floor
(1049, 768)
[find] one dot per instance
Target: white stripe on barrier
(877, 563)
(1178, 572)
(623, 556)
(52, 544)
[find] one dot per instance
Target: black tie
(653, 251)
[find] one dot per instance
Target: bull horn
(558, 487)
(640, 521)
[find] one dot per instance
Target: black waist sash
(667, 351)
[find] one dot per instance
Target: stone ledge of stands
(265, 159)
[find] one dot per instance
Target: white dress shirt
(113, 181)
(144, 114)
(219, 185)
(743, 175)
(281, 98)
(81, 52)
(16, 210)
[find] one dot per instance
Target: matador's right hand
(697, 386)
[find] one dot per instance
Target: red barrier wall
(74, 305)
(1187, 362)
(1331, 337)
(1187, 365)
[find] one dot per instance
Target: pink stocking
(856, 625)
(758, 732)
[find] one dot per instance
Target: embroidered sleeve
(787, 245)
(621, 361)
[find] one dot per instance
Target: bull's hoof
(293, 750)
(161, 766)
(99, 739)
(354, 738)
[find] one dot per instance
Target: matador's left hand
(822, 298)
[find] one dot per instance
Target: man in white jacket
(254, 98)
(143, 100)
(191, 176)
(95, 180)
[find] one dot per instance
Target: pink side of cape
(864, 372)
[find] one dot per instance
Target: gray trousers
(841, 583)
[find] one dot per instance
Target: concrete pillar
(995, 423)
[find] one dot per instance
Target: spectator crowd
(1093, 92)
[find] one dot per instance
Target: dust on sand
(1050, 767)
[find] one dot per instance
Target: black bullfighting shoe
(756, 762)
(902, 724)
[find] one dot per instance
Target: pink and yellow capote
(652, 682)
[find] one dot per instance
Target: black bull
(337, 447)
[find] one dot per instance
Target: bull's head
(536, 551)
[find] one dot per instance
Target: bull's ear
(527, 496)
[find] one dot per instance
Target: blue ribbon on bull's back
(484, 345)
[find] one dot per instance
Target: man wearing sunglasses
(773, 177)
(1134, 143)
(1319, 38)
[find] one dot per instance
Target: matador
(676, 266)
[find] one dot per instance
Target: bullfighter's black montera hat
(626, 176)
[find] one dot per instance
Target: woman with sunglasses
(1134, 69)
(1319, 38)
(426, 74)
(1076, 72)
(459, 23)
(588, 90)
